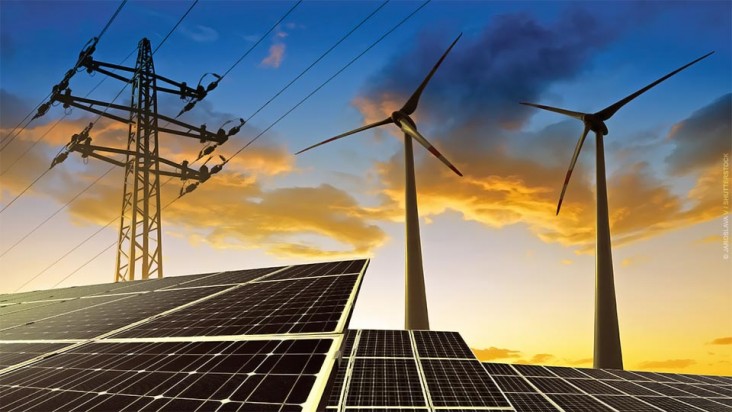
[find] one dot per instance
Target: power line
(105, 110)
(156, 48)
(110, 169)
(175, 27)
(259, 135)
(329, 79)
(59, 120)
(261, 39)
(10, 137)
(55, 213)
(66, 254)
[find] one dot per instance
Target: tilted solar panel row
(227, 341)
(427, 370)
(552, 388)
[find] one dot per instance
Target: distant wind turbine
(608, 353)
(416, 316)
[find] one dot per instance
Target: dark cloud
(12, 109)
(702, 138)
(514, 59)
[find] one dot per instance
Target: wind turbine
(415, 300)
(608, 353)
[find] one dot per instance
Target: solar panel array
(387, 370)
(536, 388)
(411, 370)
(253, 340)
(274, 339)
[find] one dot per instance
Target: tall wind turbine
(415, 300)
(608, 353)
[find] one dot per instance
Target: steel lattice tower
(139, 249)
(139, 246)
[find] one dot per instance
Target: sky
(500, 268)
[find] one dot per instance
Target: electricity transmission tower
(139, 247)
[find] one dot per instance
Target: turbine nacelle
(595, 124)
(399, 118)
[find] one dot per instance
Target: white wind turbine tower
(608, 353)
(416, 316)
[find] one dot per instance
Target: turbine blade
(360, 129)
(411, 105)
(609, 111)
(412, 131)
(571, 165)
(576, 115)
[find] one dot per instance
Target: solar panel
(313, 304)
(264, 374)
(388, 370)
(570, 389)
(101, 315)
(125, 350)
(14, 353)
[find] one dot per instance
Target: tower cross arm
(181, 88)
(179, 170)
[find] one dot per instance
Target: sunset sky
(500, 268)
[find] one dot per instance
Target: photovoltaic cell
(631, 388)
(594, 387)
(579, 403)
(530, 402)
(705, 404)
(384, 372)
(533, 370)
(499, 369)
(460, 383)
(261, 375)
(57, 308)
(320, 269)
(385, 343)
(513, 384)
(626, 403)
(669, 404)
(625, 391)
(229, 278)
(13, 353)
(385, 382)
(294, 306)
(563, 372)
(442, 345)
(106, 316)
(20, 307)
(553, 385)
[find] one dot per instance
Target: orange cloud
(231, 210)
(666, 364)
(712, 239)
(538, 359)
(494, 353)
(275, 56)
(727, 340)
